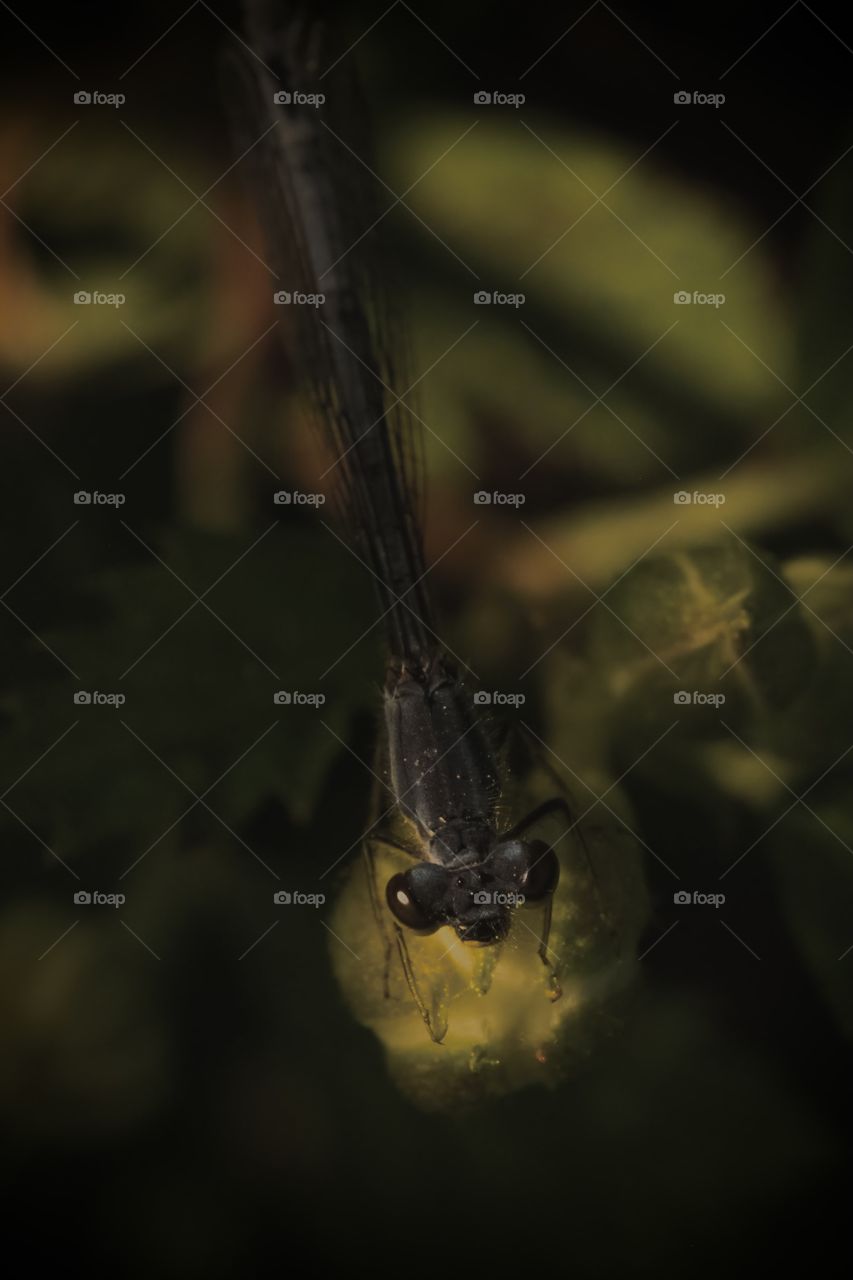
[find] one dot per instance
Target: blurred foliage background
(181, 1085)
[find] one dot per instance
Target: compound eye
(509, 861)
(406, 908)
(543, 872)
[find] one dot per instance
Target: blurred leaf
(156, 253)
(701, 629)
(615, 269)
(796, 741)
(598, 538)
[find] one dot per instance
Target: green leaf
(694, 631)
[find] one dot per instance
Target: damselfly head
(476, 900)
(429, 896)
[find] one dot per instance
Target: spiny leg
(558, 804)
(555, 804)
(436, 1034)
(554, 988)
(376, 898)
(376, 905)
(402, 950)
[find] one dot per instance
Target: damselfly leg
(555, 805)
(393, 938)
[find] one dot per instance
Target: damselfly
(465, 863)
